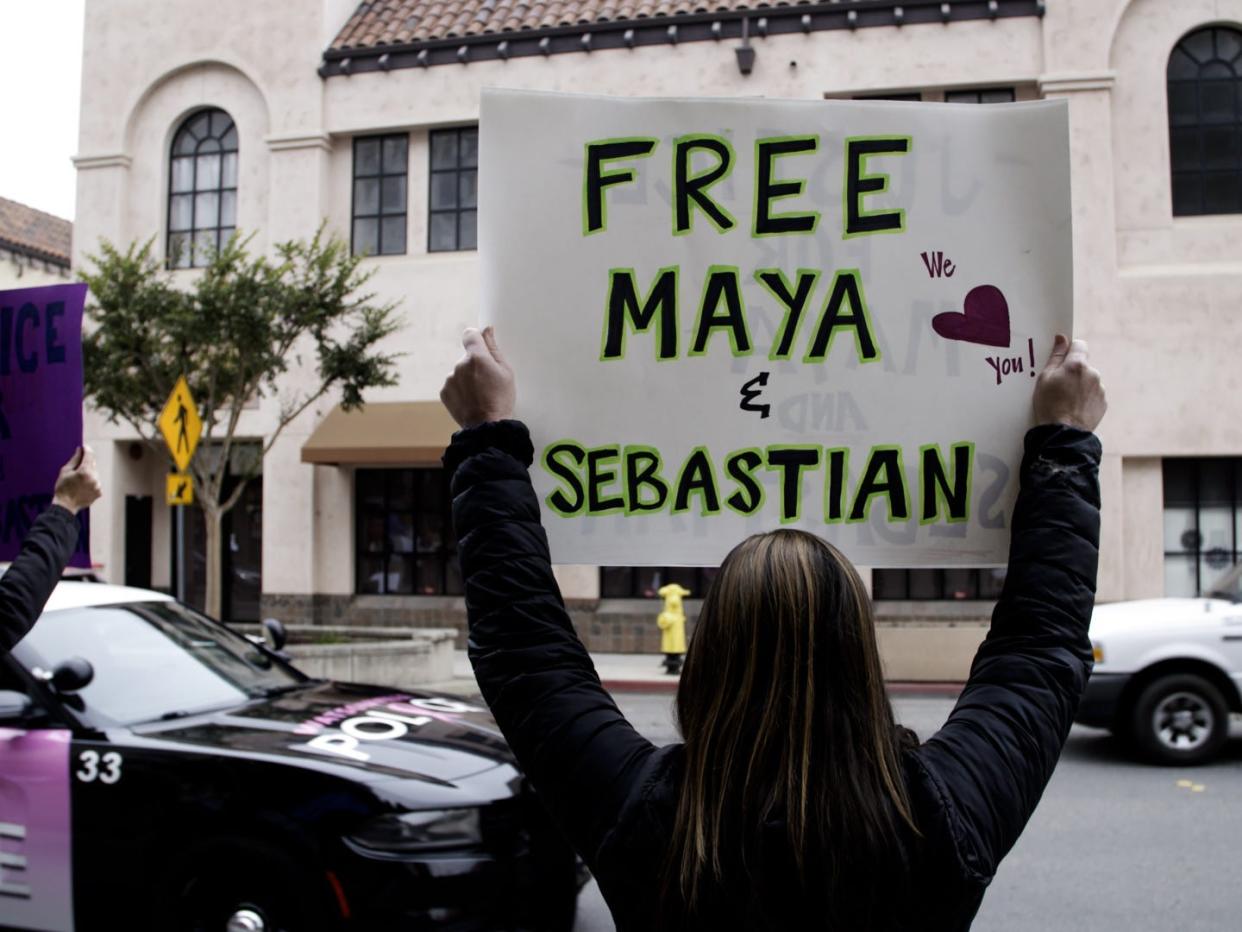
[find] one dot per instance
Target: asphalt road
(1114, 846)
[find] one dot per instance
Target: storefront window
(644, 582)
(1201, 522)
(959, 583)
(405, 543)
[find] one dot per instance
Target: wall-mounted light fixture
(745, 54)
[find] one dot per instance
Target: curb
(895, 688)
(642, 686)
(924, 688)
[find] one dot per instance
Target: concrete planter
(404, 657)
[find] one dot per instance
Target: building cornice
(1069, 82)
(111, 160)
(762, 21)
(33, 252)
(299, 141)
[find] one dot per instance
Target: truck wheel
(1180, 719)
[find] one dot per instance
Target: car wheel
(251, 889)
(1180, 719)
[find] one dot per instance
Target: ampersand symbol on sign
(750, 393)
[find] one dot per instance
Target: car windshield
(1228, 586)
(155, 660)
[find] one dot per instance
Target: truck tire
(1180, 719)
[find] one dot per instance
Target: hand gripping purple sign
(40, 406)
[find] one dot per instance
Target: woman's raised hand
(1069, 391)
(481, 386)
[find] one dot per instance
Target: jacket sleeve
(996, 753)
(30, 579)
(580, 753)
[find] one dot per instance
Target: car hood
(1146, 615)
(376, 733)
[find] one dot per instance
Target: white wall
(1158, 297)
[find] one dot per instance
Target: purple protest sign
(40, 405)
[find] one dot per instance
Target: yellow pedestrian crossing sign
(180, 424)
(180, 489)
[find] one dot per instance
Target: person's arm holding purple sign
(30, 579)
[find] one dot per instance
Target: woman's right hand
(1069, 391)
(481, 387)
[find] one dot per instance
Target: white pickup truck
(1168, 672)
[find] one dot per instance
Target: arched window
(202, 188)
(1205, 122)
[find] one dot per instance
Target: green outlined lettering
(624, 307)
(642, 470)
(846, 289)
(769, 189)
(697, 477)
(722, 282)
(598, 477)
(595, 180)
(859, 184)
(561, 503)
(740, 466)
(793, 299)
(938, 486)
(837, 467)
(791, 460)
(690, 190)
(885, 475)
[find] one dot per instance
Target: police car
(1168, 672)
(159, 771)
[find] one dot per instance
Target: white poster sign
(728, 316)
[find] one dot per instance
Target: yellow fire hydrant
(672, 622)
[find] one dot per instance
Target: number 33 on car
(159, 771)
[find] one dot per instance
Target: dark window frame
(223, 147)
(902, 580)
(964, 96)
(1196, 465)
(909, 96)
(1190, 176)
(379, 215)
(458, 169)
(443, 555)
(697, 579)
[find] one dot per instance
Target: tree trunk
(214, 584)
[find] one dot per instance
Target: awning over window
(407, 433)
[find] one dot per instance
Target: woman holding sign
(795, 802)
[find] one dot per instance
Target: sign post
(181, 426)
(740, 315)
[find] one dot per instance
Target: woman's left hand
(481, 386)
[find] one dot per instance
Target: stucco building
(200, 119)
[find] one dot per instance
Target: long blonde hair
(789, 735)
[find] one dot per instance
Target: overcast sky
(40, 81)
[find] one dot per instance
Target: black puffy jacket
(973, 785)
(34, 572)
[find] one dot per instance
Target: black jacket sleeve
(30, 579)
(995, 754)
(581, 755)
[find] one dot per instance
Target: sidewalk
(644, 673)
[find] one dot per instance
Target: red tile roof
(399, 22)
(35, 233)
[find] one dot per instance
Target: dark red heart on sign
(985, 319)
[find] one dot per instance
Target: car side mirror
(72, 675)
(14, 706)
(276, 633)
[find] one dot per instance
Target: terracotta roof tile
(400, 22)
(34, 232)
